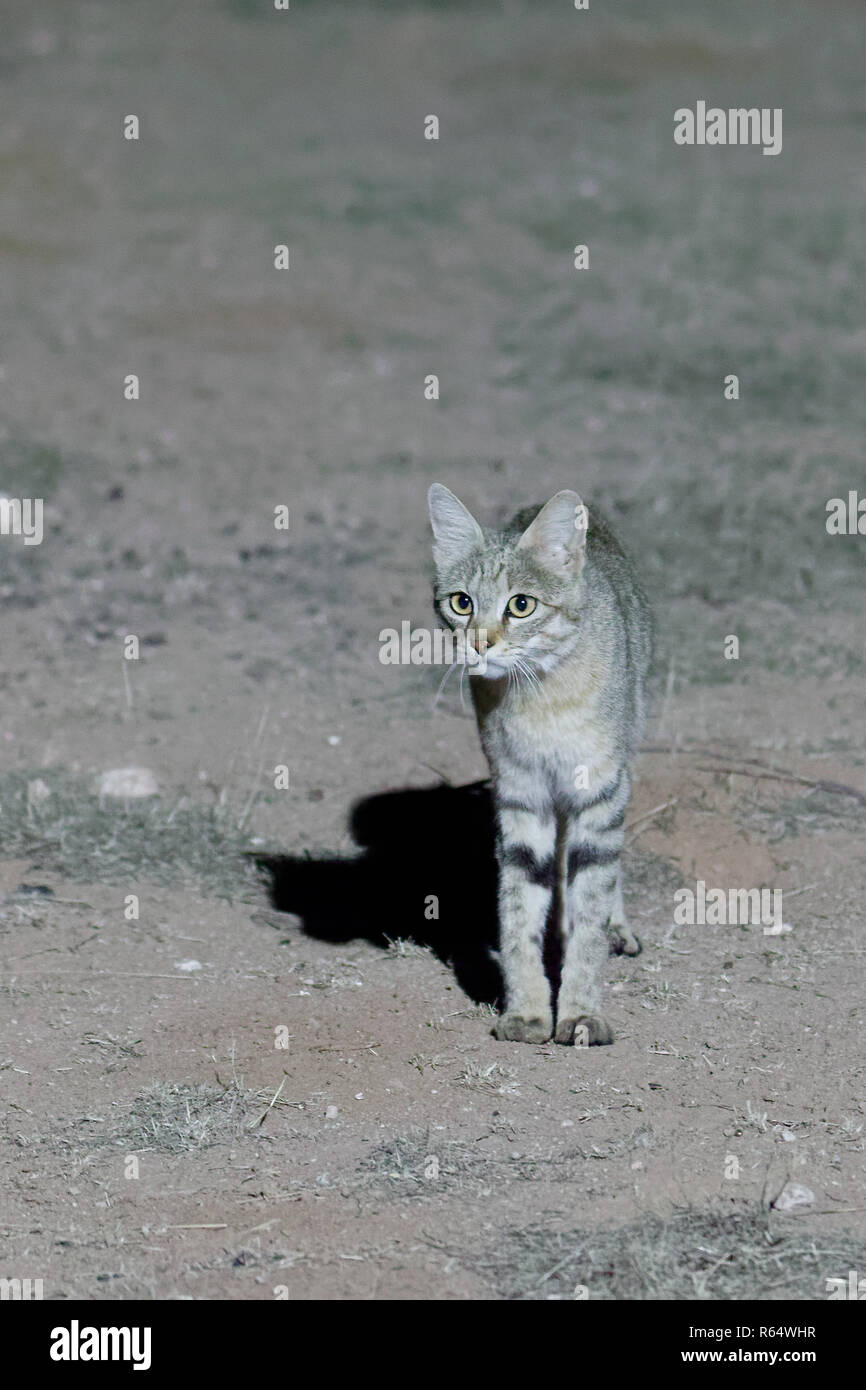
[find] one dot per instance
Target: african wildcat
(553, 605)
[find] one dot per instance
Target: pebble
(127, 783)
(794, 1194)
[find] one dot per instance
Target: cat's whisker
(451, 669)
(536, 680)
(525, 670)
(539, 685)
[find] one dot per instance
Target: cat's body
(558, 614)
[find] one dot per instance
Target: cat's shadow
(427, 873)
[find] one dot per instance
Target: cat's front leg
(622, 939)
(593, 899)
(526, 851)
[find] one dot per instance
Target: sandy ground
(287, 1085)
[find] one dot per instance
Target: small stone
(37, 792)
(331, 1113)
(794, 1194)
(188, 965)
(128, 783)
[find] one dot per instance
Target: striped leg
(527, 874)
(592, 897)
(623, 941)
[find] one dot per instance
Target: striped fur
(559, 712)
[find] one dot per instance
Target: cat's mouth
(494, 668)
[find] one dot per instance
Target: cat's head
(515, 592)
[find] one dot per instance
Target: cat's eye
(520, 606)
(461, 604)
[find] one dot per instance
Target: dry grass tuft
(73, 833)
(695, 1255)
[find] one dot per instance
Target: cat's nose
(480, 643)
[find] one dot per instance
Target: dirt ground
(281, 1082)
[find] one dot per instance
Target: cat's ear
(557, 536)
(455, 530)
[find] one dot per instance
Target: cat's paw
(589, 1030)
(511, 1027)
(624, 942)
